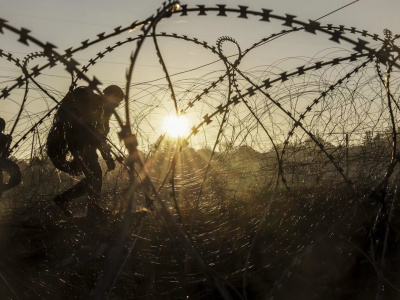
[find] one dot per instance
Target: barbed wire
(289, 115)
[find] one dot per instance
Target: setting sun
(176, 126)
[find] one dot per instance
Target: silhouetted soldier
(6, 165)
(80, 127)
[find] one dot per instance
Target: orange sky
(67, 23)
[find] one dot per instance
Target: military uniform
(83, 127)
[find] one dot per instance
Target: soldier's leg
(94, 176)
(93, 173)
(88, 162)
(74, 192)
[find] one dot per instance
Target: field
(258, 163)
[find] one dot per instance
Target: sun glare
(176, 126)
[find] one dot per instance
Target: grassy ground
(315, 246)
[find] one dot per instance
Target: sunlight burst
(176, 126)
